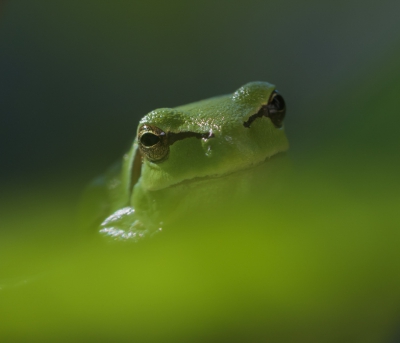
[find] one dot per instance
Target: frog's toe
(122, 226)
(133, 233)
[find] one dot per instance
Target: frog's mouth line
(137, 167)
(137, 162)
(276, 156)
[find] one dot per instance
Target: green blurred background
(75, 78)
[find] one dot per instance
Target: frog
(179, 149)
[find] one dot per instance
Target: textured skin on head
(233, 147)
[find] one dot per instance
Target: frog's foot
(123, 225)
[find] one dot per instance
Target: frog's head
(210, 138)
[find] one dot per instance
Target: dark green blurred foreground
(316, 260)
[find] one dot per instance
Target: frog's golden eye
(153, 143)
(149, 139)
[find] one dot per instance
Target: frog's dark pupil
(274, 110)
(149, 139)
(277, 103)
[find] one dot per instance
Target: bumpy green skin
(233, 147)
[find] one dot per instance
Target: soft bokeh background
(75, 77)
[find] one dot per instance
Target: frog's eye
(275, 110)
(149, 139)
(276, 102)
(153, 143)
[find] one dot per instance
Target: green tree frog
(179, 149)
